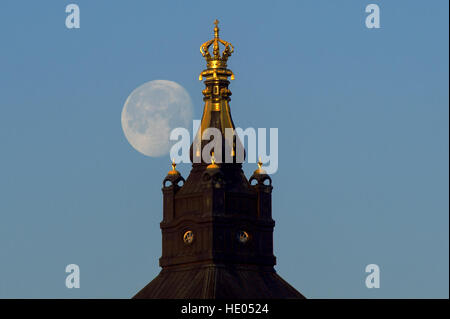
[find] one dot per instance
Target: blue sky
(363, 139)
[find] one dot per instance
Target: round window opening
(243, 236)
(188, 237)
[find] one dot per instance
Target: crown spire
(218, 60)
(216, 113)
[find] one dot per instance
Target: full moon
(151, 112)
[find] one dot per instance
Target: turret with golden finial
(260, 175)
(173, 177)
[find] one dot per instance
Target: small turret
(263, 188)
(171, 184)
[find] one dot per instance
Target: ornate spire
(216, 113)
(217, 224)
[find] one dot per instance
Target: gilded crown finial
(217, 59)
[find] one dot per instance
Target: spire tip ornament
(173, 171)
(260, 170)
(213, 164)
(218, 60)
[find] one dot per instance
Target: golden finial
(217, 60)
(216, 29)
(174, 165)
(173, 171)
(260, 170)
(213, 162)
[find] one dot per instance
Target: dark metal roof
(218, 282)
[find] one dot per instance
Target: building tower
(217, 227)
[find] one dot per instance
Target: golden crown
(217, 60)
